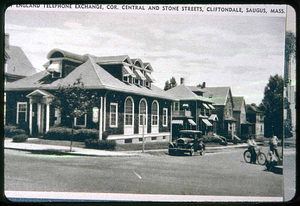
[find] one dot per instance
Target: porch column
(101, 118)
(47, 117)
(39, 108)
(30, 118)
(104, 113)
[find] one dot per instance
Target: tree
(170, 84)
(73, 101)
(290, 49)
(272, 105)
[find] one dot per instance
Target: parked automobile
(189, 141)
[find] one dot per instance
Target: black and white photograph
(149, 102)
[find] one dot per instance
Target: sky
(221, 50)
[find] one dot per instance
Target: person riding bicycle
(273, 148)
(251, 147)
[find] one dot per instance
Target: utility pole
(143, 132)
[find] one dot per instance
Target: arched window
(154, 116)
(154, 111)
(143, 111)
(128, 111)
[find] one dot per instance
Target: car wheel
(192, 151)
(171, 152)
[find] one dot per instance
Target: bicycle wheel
(247, 156)
(261, 159)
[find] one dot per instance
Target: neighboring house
(124, 86)
(223, 104)
(16, 66)
(256, 118)
(190, 111)
(239, 113)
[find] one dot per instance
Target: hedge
(20, 138)
(11, 131)
(59, 133)
(215, 138)
(100, 144)
(83, 134)
(65, 133)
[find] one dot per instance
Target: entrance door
(34, 120)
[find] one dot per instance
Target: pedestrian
(251, 147)
(273, 147)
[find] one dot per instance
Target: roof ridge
(94, 67)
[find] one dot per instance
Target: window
(80, 121)
(113, 119)
(21, 112)
(153, 138)
(142, 82)
(125, 78)
(143, 112)
(165, 117)
(128, 112)
(128, 141)
(176, 106)
(140, 139)
(136, 81)
(154, 113)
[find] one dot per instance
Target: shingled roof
(183, 92)
(219, 94)
(18, 63)
(237, 102)
(92, 75)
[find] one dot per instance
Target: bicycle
(260, 157)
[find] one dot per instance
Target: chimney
(203, 85)
(7, 41)
(181, 80)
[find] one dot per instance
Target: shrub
(100, 144)
(83, 134)
(11, 131)
(105, 135)
(59, 133)
(20, 138)
(211, 137)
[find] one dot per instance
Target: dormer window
(128, 75)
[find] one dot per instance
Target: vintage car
(187, 142)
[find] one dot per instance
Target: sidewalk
(55, 149)
(65, 150)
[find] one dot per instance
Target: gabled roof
(219, 94)
(238, 103)
(253, 108)
(92, 75)
(182, 92)
(18, 63)
(112, 59)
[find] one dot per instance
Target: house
(243, 127)
(256, 118)
(17, 64)
(189, 110)
(124, 86)
(223, 104)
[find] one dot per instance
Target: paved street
(223, 173)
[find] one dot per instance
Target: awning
(128, 72)
(207, 122)
(54, 67)
(177, 121)
(149, 76)
(214, 117)
(211, 106)
(192, 122)
(205, 105)
(140, 75)
(203, 116)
